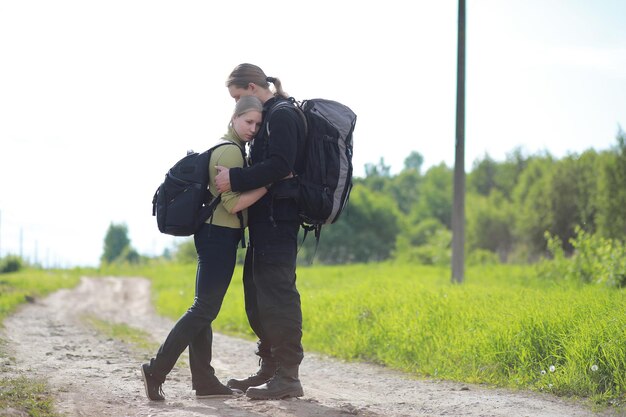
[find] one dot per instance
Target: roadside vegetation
(506, 326)
(31, 283)
(28, 395)
(138, 339)
(545, 327)
(19, 392)
(542, 306)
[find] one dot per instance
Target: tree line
(514, 209)
(512, 206)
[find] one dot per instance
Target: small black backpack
(182, 203)
(325, 183)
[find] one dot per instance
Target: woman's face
(246, 125)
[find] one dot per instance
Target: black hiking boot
(284, 384)
(216, 389)
(153, 387)
(263, 375)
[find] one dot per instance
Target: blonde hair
(246, 104)
(244, 74)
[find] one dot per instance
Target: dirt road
(91, 375)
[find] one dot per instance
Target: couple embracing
(258, 194)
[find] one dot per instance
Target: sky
(99, 98)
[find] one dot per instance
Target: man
(271, 297)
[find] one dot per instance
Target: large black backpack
(182, 203)
(325, 183)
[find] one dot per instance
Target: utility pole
(458, 206)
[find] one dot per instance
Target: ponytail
(278, 87)
(244, 74)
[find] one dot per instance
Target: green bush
(10, 264)
(185, 252)
(596, 260)
(426, 243)
(482, 257)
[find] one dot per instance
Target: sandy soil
(91, 375)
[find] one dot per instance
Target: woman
(216, 243)
(271, 297)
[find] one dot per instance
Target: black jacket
(271, 160)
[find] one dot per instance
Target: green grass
(502, 327)
(17, 287)
(138, 339)
(27, 395)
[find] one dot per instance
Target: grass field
(503, 326)
(19, 287)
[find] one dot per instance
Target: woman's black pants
(217, 252)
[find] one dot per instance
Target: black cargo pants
(272, 299)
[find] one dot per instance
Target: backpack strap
(290, 102)
(317, 228)
(284, 103)
(243, 230)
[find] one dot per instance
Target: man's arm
(222, 179)
(282, 150)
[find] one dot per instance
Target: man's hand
(222, 179)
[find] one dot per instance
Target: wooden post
(458, 209)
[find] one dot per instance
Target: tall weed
(595, 260)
